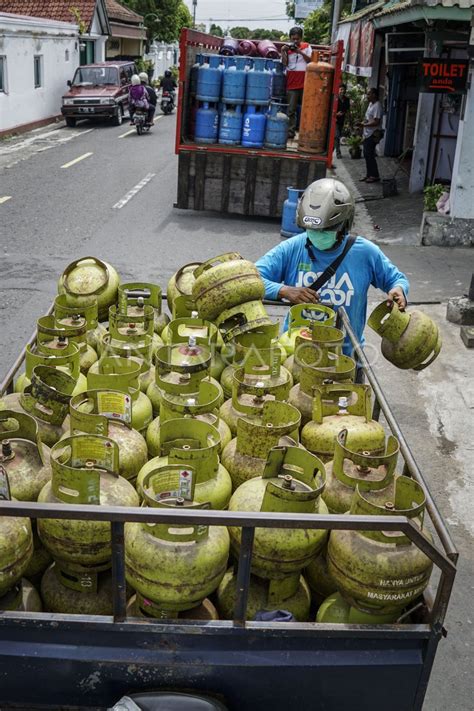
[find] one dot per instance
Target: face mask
(322, 239)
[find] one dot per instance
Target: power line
(242, 19)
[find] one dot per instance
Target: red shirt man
(295, 57)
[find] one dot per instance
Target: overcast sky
(245, 13)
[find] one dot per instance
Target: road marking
(76, 160)
(5, 198)
(131, 193)
(132, 130)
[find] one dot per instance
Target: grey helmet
(326, 204)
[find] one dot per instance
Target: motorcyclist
(137, 97)
(168, 82)
(326, 212)
(152, 98)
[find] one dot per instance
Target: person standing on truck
(340, 266)
(371, 133)
(343, 108)
(152, 98)
(295, 57)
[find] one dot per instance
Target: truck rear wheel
(70, 122)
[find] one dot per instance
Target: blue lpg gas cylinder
(209, 80)
(259, 83)
(207, 124)
(276, 132)
(289, 228)
(253, 130)
(193, 76)
(279, 80)
(234, 81)
(230, 125)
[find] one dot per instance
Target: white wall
(163, 57)
(21, 38)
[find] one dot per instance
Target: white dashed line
(76, 160)
(131, 193)
(5, 198)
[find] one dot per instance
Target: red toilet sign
(443, 75)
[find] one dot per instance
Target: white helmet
(325, 204)
(136, 80)
(143, 76)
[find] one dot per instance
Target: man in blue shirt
(326, 211)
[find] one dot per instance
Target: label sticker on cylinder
(101, 453)
(115, 405)
(176, 484)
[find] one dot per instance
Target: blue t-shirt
(365, 265)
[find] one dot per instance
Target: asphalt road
(103, 191)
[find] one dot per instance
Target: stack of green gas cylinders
(209, 407)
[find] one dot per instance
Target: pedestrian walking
(371, 132)
(343, 108)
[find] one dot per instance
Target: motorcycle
(140, 119)
(167, 102)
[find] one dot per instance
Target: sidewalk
(395, 220)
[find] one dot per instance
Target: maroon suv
(98, 91)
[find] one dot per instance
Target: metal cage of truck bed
(56, 659)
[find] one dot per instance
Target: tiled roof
(367, 10)
(116, 11)
(51, 9)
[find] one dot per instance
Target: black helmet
(167, 73)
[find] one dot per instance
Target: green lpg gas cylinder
(177, 402)
(88, 279)
(62, 355)
(254, 384)
(64, 313)
(247, 345)
(23, 456)
(85, 471)
(180, 289)
(109, 413)
(46, 399)
(382, 571)
(22, 598)
(318, 577)
(183, 364)
(409, 339)
(374, 474)
(300, 320)
(16, 543)
(224, 282)
(116, 373)
(336, 610)
(317, 366)
(70, 593)
(323, 340)
(140, 606)
(176, 566)
(290, 593)
(72, 329)
(201, 333)
(246, 455)
(249, 316)
(193, 443)
(292, 481)
(132, 296)
(339, 406)
(39, 561)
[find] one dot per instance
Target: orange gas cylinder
(316, 104)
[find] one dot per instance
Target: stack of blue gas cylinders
(238, 101)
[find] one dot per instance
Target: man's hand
(298, 295)
(396, 294)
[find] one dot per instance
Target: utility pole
(336, 12)
(194, 13)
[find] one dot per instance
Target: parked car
(98, 91)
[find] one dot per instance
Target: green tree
(240, 32)
(163, 18)
(216, 30)
(317, 26)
